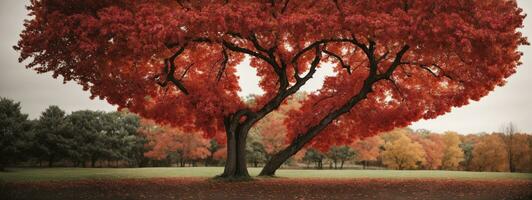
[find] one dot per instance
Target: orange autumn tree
(522, 152)
(165, 141)
(489, 154)
(272, 129)
(433, 146)
(175, 61)
(367, 149)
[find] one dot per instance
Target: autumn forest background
(122, 139)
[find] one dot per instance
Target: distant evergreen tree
(54, 136)
(14, 133)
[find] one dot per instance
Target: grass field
(54, 174)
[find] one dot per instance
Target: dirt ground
(275, 188)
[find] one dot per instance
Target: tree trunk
(51, 161)
(93, 162)
(236, 165)
(511, 164)
(342, 165)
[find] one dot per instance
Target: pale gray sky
(511, 103)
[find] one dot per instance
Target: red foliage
(456, 51)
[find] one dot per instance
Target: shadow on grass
(220, 178)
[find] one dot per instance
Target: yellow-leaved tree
(401, 152)
(452, 153)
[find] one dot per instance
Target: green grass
(46, 174)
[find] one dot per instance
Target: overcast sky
(511, 103)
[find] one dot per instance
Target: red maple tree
(174, 61)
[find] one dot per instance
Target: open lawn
(196, 183)
(53, 174)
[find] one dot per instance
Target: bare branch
(383, 57)
(395, 64)
(186, 70)
(394, 83)
(344, 65)
(224, 64)
(427, 68)
(234, 47)
(169, 70)
(285, 6)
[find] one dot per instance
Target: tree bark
(93, 162)
(236, 164)
(51, 161)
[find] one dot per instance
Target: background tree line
(421, 149)
(82, 138)
(121, 139)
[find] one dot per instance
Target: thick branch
(395, 63)
(235, 48)
(283, 94)
(169, 70)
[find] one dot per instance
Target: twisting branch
(182, 4)
(284, 92)
(321, 100)
(395, 63)
(310, 133)
(259, 47)
(425, 67)
(285, 6)
(298, 143)
(224, 64)
(186, 70)
(383, 57)
(317, 44)
(344, 65)
(394, 83)
(269, 58)
(337, 4)
(169, 70)
(235, 48)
